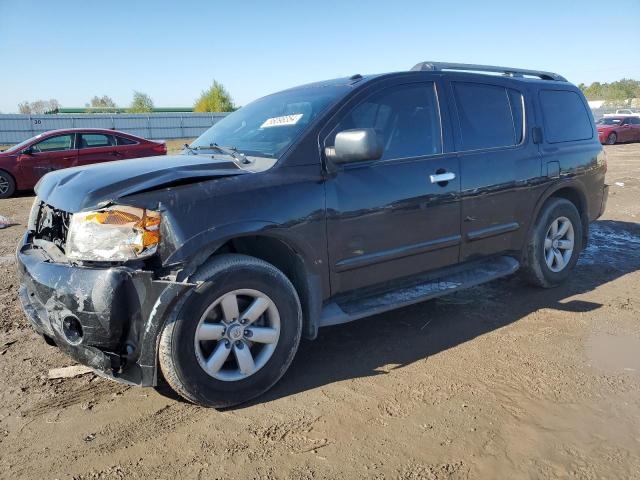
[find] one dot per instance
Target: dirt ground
(501, 381)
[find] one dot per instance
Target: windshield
(609, 121)
(268, 126)
(22, 144)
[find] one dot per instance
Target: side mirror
(355, 146)
(27, 151)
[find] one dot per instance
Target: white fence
(16, 128)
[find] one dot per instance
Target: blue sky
(73, 50)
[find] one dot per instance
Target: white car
(624, 112)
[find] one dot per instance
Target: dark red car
(618, 129)
(22, 165)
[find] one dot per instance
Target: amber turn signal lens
(112, 217)
(150, 239)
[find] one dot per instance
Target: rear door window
(566, 118)
(489, 116)
(94, 140)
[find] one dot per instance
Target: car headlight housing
(112, 234)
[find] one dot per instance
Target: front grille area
(52, 225)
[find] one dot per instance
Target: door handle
(442, 177)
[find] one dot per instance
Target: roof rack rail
(511, 72)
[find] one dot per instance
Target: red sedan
(618, 129)
(22, 165)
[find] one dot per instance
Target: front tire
(7, 184)
(236, 334)
(554, 244)
(612, 138)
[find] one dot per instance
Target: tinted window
(609, 121)
(486, 117)
(125, 141)
(93, 140)
(406, 119)
(635, 120)
(54, 144)
(565, 117)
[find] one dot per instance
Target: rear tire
(7, 184)
(612, 138)
(554, 244)
(206, 352)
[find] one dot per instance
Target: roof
(469, 67)
(89, 130)
(462, 69)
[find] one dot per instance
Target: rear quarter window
(125, 141)
(566, 118)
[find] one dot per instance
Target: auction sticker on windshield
(282, 121)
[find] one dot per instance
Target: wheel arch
(572, 191)
(283, 254)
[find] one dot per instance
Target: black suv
(310, 207)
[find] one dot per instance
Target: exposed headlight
(113, 234)
(33, 214)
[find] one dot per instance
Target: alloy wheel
(558, 244)
(237, 334)
(4, 185)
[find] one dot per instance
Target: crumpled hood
(79, 188)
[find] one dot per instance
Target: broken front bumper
(106, 318)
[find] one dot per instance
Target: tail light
(160, 148)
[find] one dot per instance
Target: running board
(351, 309)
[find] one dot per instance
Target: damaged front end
(104, 315)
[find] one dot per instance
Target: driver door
(390, 218)
(625, 131)
(635, 127)
(52, 153)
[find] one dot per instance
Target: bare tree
(103, 102)
(39, 107)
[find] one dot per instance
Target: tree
(141, 103)
(103, 102)
(214, 99)
(615, 92)
(38, 107)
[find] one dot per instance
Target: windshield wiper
(231, 151)
(193, 149)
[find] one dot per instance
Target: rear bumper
(119, 310)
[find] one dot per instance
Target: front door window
(54, 144)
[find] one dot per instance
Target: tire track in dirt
(152, 426)
(293, 435)
(92, 392)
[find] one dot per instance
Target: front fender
(208, 241)
(197, 249)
